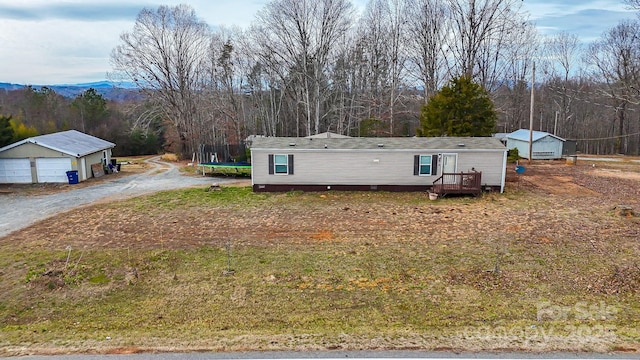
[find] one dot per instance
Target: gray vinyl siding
(489, 163)
(369, 167)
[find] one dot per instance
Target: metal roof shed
(47, 158)
(544, 146)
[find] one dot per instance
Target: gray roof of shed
(396, 143)
(72, 142)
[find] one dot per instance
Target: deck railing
(458, 183)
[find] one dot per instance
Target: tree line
(31, 111)
(304, 67)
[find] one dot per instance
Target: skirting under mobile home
(389, 164)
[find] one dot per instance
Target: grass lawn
(531, 269)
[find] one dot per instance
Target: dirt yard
(589, 182)
(597, 187)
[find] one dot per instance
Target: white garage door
(53, 170)
(13, 171)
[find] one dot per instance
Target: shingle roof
(397, 143)
(327, 135)
(523, 135)
(72, 142)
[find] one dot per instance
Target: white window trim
(275, 164)
(420, 165)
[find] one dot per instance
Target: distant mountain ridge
(115, 91)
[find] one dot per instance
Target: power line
(607, 138)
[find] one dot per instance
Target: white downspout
(504, 171)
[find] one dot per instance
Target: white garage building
(47, 158)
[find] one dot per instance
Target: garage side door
(53, 170)
(14, 171)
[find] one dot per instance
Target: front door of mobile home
(449, 166)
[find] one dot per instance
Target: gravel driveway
(20, 211)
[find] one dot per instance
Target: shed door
(14, 171)
(53, 170)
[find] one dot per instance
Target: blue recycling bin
(72, 176)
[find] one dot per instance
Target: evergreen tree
(463, 108)
(92, 108)
(6, 131)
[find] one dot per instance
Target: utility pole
(533, 84)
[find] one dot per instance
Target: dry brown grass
(169, 157)
(538, 268)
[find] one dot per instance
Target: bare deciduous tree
(222, 87)
(296, 38)
(633, 3)
(513, 93)
(165, 54)
(481, 31)
(397, 56)
(427, 27)
(382, 32)
(561, 54)
(616, 60)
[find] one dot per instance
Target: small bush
(169, 157)
(513, 155)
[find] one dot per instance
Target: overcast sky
(46, 42)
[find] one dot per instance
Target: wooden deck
(458, 183)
